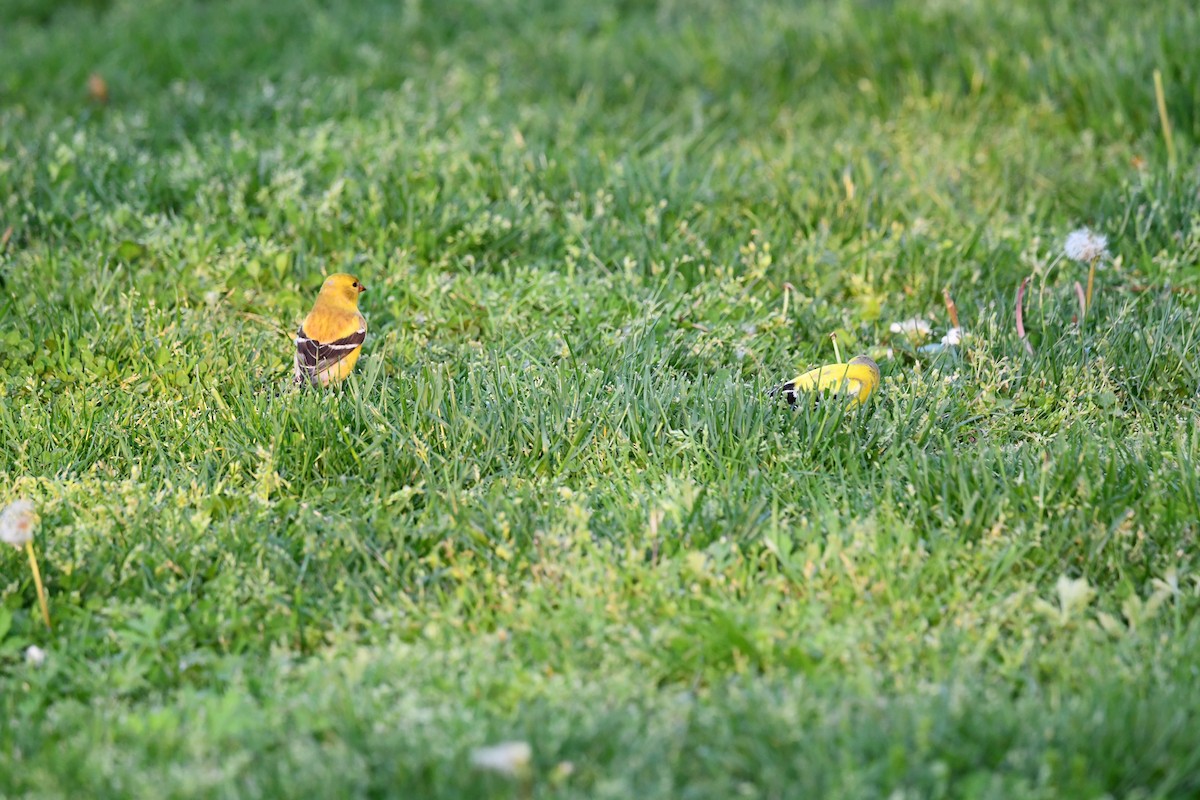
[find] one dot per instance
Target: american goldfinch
(331, 336)
(856, 380)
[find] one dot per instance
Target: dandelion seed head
(1086, 246)
(35, 655)
(915, 329)
(17, 523)
(506, 758)
(953, 337)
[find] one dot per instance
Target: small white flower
(35, 655)
(953, 337)
(17, 523)
(1086, 246)
(507, 758)
(1074, 594)
(915, 329)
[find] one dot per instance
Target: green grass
(555, 503)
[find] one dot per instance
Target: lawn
(556, 502)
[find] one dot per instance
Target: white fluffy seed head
(1086, 246)
(506, 758)
(35, 655)
(953, 337)
(915, 329)
(17, 523)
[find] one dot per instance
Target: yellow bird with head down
(855, 380)
(331, 337)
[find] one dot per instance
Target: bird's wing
(821, 379)
(314, 356)
(856, 381)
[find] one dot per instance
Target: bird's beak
(361, 288)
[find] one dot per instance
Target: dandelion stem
(1161, 98)
(951, 308)
(1091, 282)
(837, 354)
(37, 582)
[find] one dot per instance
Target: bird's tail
(303, 377)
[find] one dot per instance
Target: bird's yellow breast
(324, 325)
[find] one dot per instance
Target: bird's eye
(354, 285)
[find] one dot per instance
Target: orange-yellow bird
(331, 337)
(856, 380)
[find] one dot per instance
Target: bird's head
(867, 361)
(343, 290)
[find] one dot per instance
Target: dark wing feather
(313, 357)
(788, 390)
